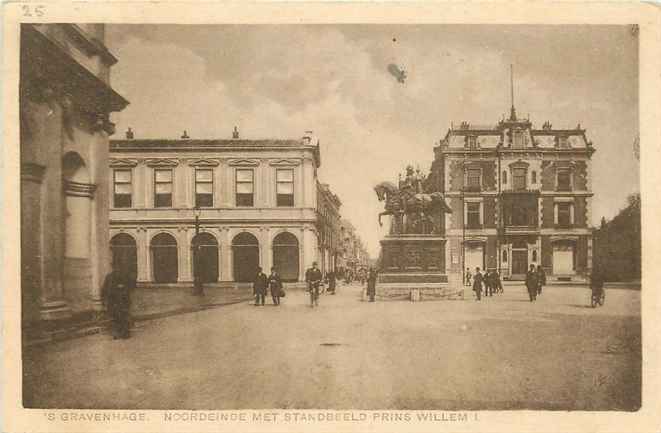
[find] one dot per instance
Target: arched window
(205, 257)
(245, 255)
(285, 256)
(165, 263)
(124, 255)
(504, 176)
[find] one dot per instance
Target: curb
(97, 326)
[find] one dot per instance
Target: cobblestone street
(501, 353)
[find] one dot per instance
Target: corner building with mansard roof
(255, 203)
(519, 196)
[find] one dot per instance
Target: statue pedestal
(413, 268)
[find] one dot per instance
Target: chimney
(185, 136)
(129, 134)
(235, 133)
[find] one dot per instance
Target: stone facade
(519, 196)
(255, 203)
(65, 101)
(328, 227)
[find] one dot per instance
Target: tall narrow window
(519, 178)
(122, 188)
(244, 187)
(533, 177)
(518, 139)
(472, 215)
(285, 187)
(472, 142)
(162, 188)
(504, 177)
(564, 180)
(473, 179)
(564, 214)
(204, 187)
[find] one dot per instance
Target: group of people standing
(489, 282)
(273, 283)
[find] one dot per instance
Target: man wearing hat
(313, 278)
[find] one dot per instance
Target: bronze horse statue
(406, 201)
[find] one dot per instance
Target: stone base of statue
(413, 268)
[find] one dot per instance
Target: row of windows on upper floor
(244, 187)
(519, 181)
(521, 214)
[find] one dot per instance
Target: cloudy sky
(279, 81)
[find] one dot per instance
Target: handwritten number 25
(33, 11)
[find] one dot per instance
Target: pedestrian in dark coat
(488, 283)
(331, 282)
(371, 284)
(498, 284)
(275, 285)
(531, 283)
(541, 279)
(477, 283)
(116, 295)
(259, 287)
(313, 277)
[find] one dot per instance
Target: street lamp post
(198, 289)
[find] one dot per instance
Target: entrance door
(245, 254)
(164, 258)
(206, 248)
(124, 255)
(474, 258)
(563, 258)
(285, 256)
(519, 262)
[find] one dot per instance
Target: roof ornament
(185, 136)
(547, 126)
(129, 134)
(513, 110)
(235, 133)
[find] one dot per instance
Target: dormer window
(563, 142)
(472, 142)
(518, 138)
(518, 178)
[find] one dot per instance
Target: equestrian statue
(412, 209)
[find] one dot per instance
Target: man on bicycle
(313, 277)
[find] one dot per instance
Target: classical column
(143, 255)
(309, 185)
(184, 256)
(31, 231)
(301, 254)
(225, 253)
(265, 249)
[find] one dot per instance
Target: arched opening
(205, 257)
(285, 256)
(245, 255)
(164, 258)
(78, 194)
(124, 255)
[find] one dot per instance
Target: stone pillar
(45, 140)
(309, 185)
(265, 249)
(143, 255)
(31, 232)
(184, 256)
(225, 255)
(310, 249)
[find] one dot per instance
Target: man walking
(313, 278)
(531, 283)
(116, 294)
(469, 277)
(331, 282)
(259, 287)
(275, 285)
(477, 283)
(541, 279)
(371, 284)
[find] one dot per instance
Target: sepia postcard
(319, 216)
